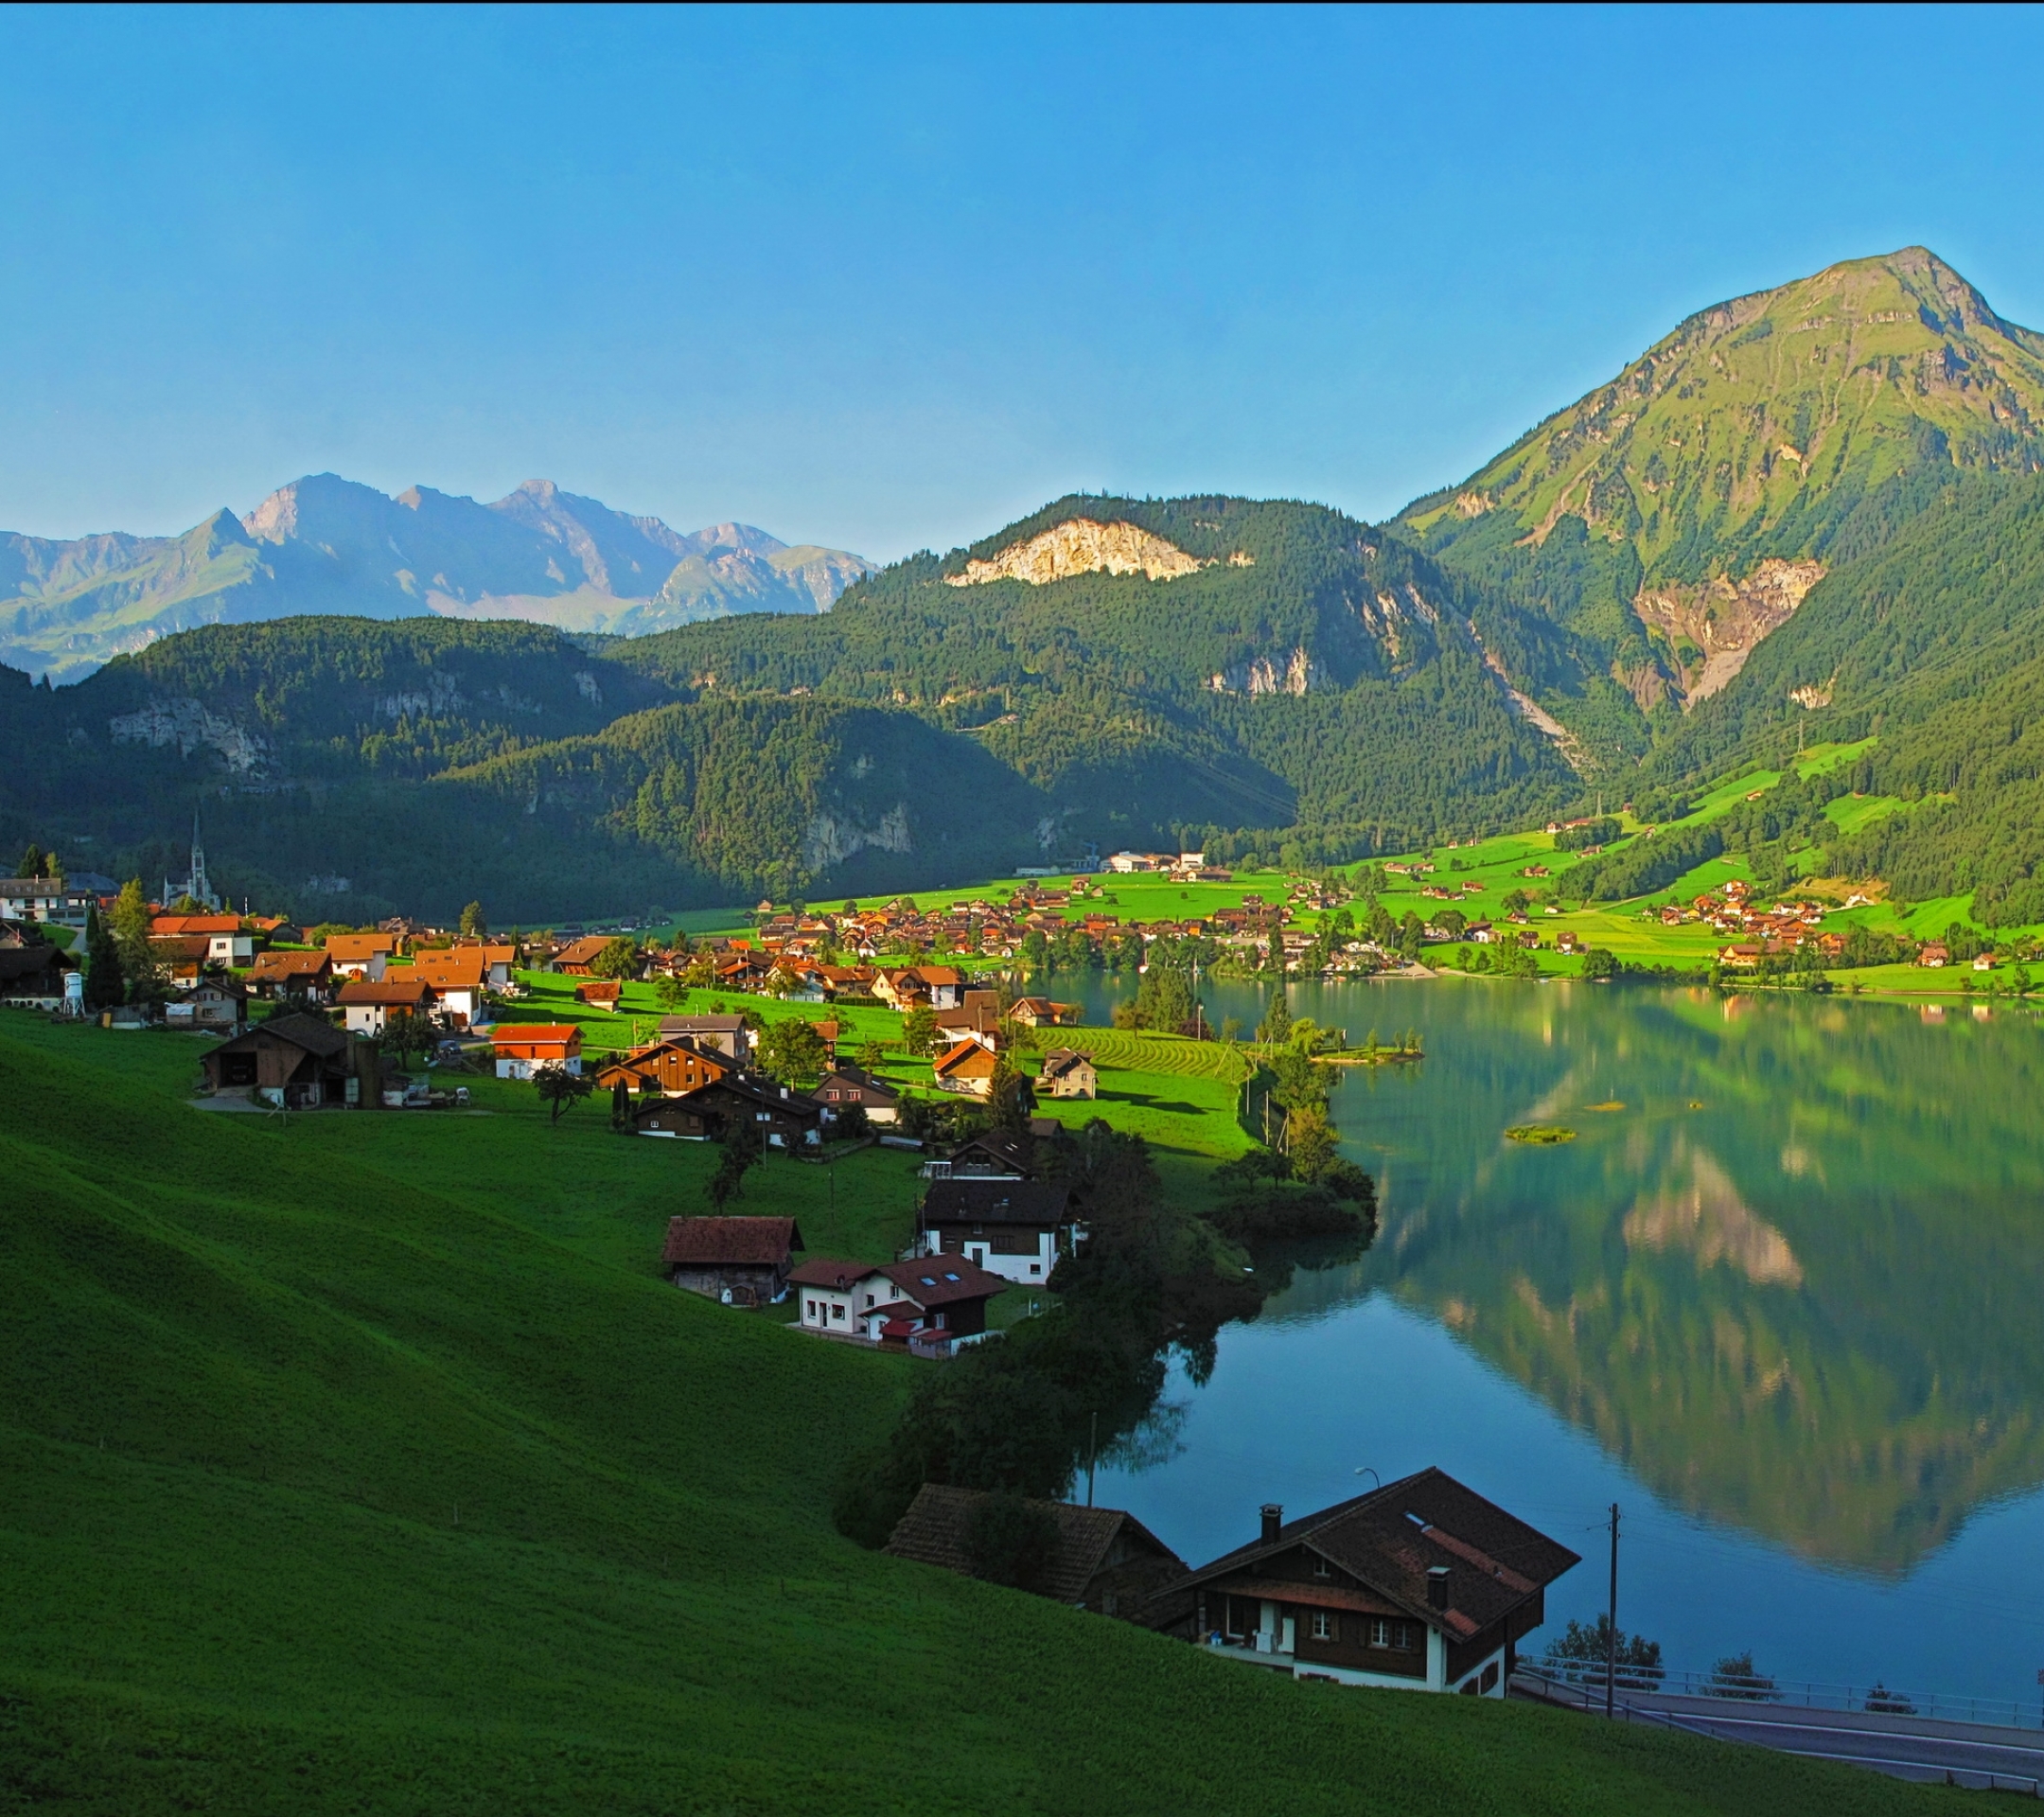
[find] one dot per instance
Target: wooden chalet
(184, 956)
(32, 973)
(297, 974)
(578, 954)
(602, 991)
(967, 1067)
(851, 1088)
(1419, 1585)
(459, 976)
(930, 1305)
(1067, 1073)
(672, 1068)
(296, 1061)
(1016, 1228)
(784, 1117)
(1041, 1012)
(740, 1261)
(369, 1006)
(523, 1047)
(1105, 1561)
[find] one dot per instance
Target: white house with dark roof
(1420, 1585)
(930, 1305)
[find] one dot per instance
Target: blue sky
(891, 279)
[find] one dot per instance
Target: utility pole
(1092, 1454)
(1611, 1639)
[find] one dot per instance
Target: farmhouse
(674, 1069)
(32, 975)
(784, 1117)
(851, 1088)
(1017, 1228)
(217, 1005)
(459, 976)
(577, 957)
(1067, 1073)
(968, 1067)
(306, 975)
(725, 1034)
(228, 943)
(1419, 1585)
(294, 1061)
(1105, 1561)
(679, 1118)
(360, 954)
(522, 1048)
(930, 1306)
(371, 1007)
(741, 1261)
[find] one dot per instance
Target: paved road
(1975, 1754)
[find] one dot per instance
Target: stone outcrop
(1723, 619)
(829, 840)
(189, 726)
(1082, 546)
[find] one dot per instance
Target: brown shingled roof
(934, 1531)
(706, 1242)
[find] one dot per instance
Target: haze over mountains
(325, 544)
(1815, 512)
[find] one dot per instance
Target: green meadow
(363, 1463)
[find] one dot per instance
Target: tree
(870, 1053)
(670, 993)
(142, 971)
(104, 984)
(1587, 1651)
(1516, 902)
(739, 1150)
(621, 1104)
(1011, 1096)
(793, 1051)
(1736, 1676)
(1451, 921)
(472, 923)
(559, 1087)
(620, 958)
(919, 1031)
(1277, 1023)
(1601, 962)
(1310, 1142)
(1011, 1541)
(31, 864)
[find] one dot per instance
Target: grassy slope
(363, 1464)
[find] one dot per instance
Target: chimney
(1273, 1520)
(1437, 1586)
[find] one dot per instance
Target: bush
(1011, 1541)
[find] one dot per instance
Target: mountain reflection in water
(1788, 1275)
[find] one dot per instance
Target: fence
(1582, 1682)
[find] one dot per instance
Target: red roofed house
(523, 1047)
(741, 1261)
(1420, 1585)
(577, 957)
(360, 954)
(228, 941)
(458, 975)
(279, 974)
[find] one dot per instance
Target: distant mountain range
(325, 544)
(1814, 513)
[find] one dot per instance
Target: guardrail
(1582, 1682)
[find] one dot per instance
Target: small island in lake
(1544, 1134)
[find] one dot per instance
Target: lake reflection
(1786, 1279)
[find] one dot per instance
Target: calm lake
(1782, 1300)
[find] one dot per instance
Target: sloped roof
(1040, 1202)
(964, 1056)
(306, 1032)
(935, 1530)
(839, 1277)
(360, 946)
(580, 952)
(1392, 1537)
(535, 1033)
(285, 964)
(706, 1242)
(17, 962)
(396, 988)
(940, 1281)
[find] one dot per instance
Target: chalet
(522, 1049)
(65, 901)
(1419, 1585)
(228, 943)
(182, 959)
(1933, 953)
(32, 975)
(294, 1061)
(1568, 941)
(1105, 1561)
(1742, 956)
(941, 987)
(215, 1005)
(741, 1261)
(360, 954)
(577, 957)
(1984, 962)
(849, 1088)
(672, 1068)
(1067, 1073)
(459, 976)
(306, 975)
(992, 1155)
(930, 1305)
(602, 991)
(369, 1006)
(978, 1022)
(1013, 1227)
(784, 1117)
(725, 1034)
(966, 1067)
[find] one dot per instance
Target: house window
(1320, 1568)
(940, 1322)
(1036, 1267)
(869, 1299)
(1325, 1626)
(838, 1313)
(1234, 1619)
(1380, 1633)
(812, 1312)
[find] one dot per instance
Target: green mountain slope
(347, 1471)
(1672, 519)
